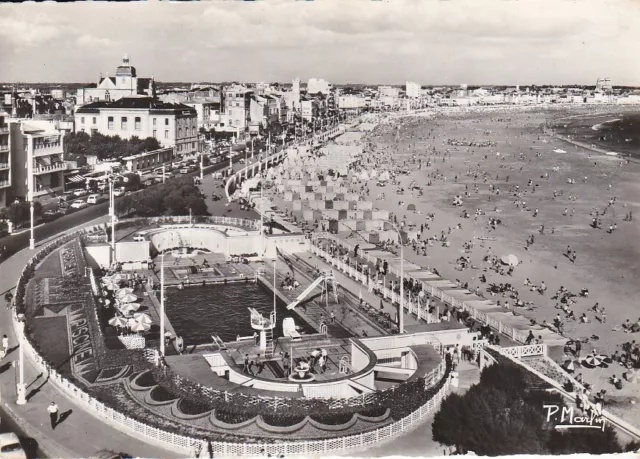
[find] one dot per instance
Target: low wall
(184, 444)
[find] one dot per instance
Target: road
(16, 242)
(7, 424)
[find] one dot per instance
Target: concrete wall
(132, 251)
(100, 254)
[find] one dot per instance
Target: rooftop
(147, 103)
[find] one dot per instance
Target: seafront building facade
(37, 159)
(173, 125)
(5, 160)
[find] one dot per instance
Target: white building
(414, 90)
(315, 85)
(388, 91)
(174, 125)
(5, 160)
(37, 159)
(351, 102)
(126, 83)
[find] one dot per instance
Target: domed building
(125, 83)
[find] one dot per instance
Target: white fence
(216, 220)
(187, 445)
(413, 306)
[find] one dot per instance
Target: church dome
(125, 69)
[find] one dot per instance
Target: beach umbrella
(142, 318)
(111, 286)
(123, 291)
(118, 322)
(510, 260)
(592, 361)
(128, 298)
(118, 278)
(129, 307)
(571, 364)
(140, 327)
(632, 376)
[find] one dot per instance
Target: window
(155, 134)
(94, 120)
(193, 144)
(82, 120)
(166, 121)
(179, 132)
(110, 123)
(166, 134)
(82, 130)
(193, 131)
(138, 123)
(154, 121)
(123, 123)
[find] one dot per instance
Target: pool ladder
(269, 350)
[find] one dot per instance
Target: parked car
(51, 215)
(80, 192)
(79, 204)
(93, 199)
(184, 170)
(10, 446)
(119, 191)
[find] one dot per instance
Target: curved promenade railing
(216, 220)
(184, 444)
(412, 307)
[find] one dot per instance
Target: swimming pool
(198, 312)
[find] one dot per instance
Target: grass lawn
(53, 339)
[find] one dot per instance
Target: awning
(76, 179)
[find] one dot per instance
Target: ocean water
(198, 312)
(614, 132)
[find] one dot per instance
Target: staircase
(269, 349)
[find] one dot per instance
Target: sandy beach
(541, 192)
(521, 177)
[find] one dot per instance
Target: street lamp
(21, 388)
(201, 167)
(32, 240)
(162, 306)
(401, 314)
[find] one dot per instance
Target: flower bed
(145, 379)
(160, 394)
(191, 408)
(286, 420)
(233, 417)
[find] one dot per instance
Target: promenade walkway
(81, 434)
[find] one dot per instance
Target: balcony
(47, 169)
(4, 129)
(4, 148)
(4, 166)
(5, 183)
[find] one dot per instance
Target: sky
(430, 42)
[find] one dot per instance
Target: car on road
(93, 199)
(119, 191)
(80, 192)
(79, 204)
(10, 446)
(184, 170)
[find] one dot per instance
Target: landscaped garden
(65, 324)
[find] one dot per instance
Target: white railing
(525, 351)
(185, 445)
(216, 220)
(480, 316)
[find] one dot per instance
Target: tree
(503, 414)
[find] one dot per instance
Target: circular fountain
(302, 373)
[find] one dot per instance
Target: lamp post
(32, 240)
(112, 212)
(401, 314)
(201, 167)
(21, 388)
(162, 306)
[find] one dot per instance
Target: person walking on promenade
(52, 409)
(5, 343)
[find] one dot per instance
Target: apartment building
(5, 161)
(174, 125)
(36, 160)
